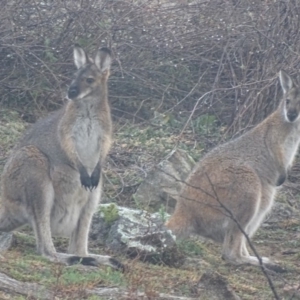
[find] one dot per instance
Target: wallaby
(52, 180)
(237, 181)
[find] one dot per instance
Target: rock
(215, 287)
(164, 182)
(6, 240)
(135, 233)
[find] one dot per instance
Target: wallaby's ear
(286, 81)
(80, 57)
(103, 59)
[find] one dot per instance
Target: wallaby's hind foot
(235, 251)
(242, 259)
(274, 267)
(90, 260)
(96, 260)
(253, 260)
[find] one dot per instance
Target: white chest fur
(87, 134)
(291, 146)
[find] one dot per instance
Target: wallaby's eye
(90, 80)
(287, 101)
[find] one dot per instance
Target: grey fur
(52, 179)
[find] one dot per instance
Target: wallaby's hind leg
(234, 249)
(234, 246)
(27, 195)
(264, 207)
(245, 251)
(44, 193)
(78, 246)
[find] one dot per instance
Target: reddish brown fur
(241, 175)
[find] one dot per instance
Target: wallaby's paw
(86, 261)
(96, 261)
(275, 268)
(85, 178)
(95, 177)
(281, 180)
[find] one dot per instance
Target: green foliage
(49, 53)
(83, 41)
(110, 213)
(162, 213)
(190, 247)
(139, 204)
(72, 276)
(205, 124)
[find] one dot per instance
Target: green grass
(192, 247)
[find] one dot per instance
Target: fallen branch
(12, 286)
(35, 290)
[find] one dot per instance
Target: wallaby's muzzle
(292, 115)
(73, 92)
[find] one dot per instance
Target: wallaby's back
(236, 182)
(44, 135)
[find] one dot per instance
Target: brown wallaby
(236, 182)
(52, 179)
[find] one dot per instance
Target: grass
(138, 148)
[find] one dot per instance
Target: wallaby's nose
(292, 115)
(73, 92)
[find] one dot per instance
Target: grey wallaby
(237, 181)
(52, 180)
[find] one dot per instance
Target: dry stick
(192, 113)
(188, 94)
(247, 238)
(209, 92)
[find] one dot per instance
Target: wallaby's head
(291, 97)
(92, 74)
